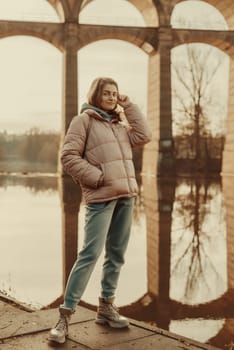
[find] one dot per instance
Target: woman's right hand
(123, 101)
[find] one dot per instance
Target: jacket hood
(86, 107)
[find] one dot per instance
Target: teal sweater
(103, 114)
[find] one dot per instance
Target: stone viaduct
(157, 39)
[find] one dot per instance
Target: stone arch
(32, 34)
(225, 7)
(147, 9)
(115, 38)
(33, 31)
(58, 7)
(67, 10)
(47, 14)
(211, 19)
(134, 37)
(222, 42)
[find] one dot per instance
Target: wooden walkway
(28, 330)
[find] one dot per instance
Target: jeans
(106, 224)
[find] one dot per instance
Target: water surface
(192, 266)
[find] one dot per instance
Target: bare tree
(195, 98)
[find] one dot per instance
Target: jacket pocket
(102, 168)
(91, 176)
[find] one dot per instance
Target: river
(194, 282)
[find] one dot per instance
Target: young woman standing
(97, 153)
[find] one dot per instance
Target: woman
(97, 153)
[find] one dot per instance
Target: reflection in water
(31, 224)
(34, 182)
(197, 328)
(198, 247)
(30, 235)
(183, 283)
(192, 282)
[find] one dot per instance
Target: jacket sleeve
(72, 151)
(139, 133)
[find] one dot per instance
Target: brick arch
(225, 7)
(148, 11)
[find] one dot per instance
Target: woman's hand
(123, 101)
(118, 109)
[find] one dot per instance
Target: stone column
(158, 176)
(149, 176)
(70, 192)
(166, 164)
(228, 182)
(228, 193)
(228, 154)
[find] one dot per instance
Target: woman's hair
(96, 88)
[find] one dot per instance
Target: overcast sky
(31, 69)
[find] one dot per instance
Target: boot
(108, 314)
(59, 333)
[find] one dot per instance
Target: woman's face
(109, 95)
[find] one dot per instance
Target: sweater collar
(105, 115)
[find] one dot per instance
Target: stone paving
(21, 328)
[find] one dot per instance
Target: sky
(31, 69)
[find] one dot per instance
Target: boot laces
(61, 324)
(113, 309)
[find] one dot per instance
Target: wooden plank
(155, 342)
(24, 322)
(20, 329)
(97, 336)
(37, 342)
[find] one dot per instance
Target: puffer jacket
(98, 153)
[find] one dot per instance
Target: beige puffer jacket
(102, 163)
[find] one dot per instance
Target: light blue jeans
(108, 225)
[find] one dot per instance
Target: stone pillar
(70, 195)
(161, 150)
(153, 241)
(228, 180)
(158, 177)
(166, 196)
(70, 87)
(149, 176)
(228, 154)
(166, 164)
(228, 193)
(69, 191)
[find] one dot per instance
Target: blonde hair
(96, 88)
